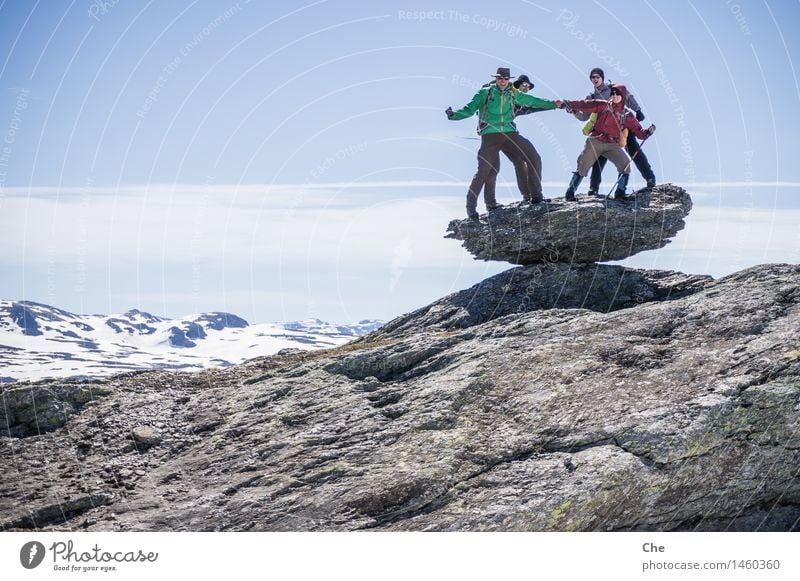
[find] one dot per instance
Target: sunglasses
(503, 78)
(595, 77)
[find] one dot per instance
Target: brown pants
(521, 153)
(594, 148)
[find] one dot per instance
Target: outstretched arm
(590, 106)
(469, 109)
(528, 110)
(526, 100)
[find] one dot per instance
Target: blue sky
(292, 159)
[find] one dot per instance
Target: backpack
(587, 129)
(623, 134)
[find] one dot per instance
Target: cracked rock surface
(676, 410)
(589, 230)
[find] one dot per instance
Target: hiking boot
(494, 207)
(591, 193)
(651, 182)
(574, 182)
(472, 214)
(622, 184)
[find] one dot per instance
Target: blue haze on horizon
(271, 160)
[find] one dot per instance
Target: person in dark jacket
(495, 105)
(602, 90)
(604, 139)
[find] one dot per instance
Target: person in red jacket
(605, 137)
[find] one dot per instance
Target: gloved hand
(449, 112)
(650, 130)
(639, 116)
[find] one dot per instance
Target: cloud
(389, 226)
(720, 241)
(253, 224)
(272, 253)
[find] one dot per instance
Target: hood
(624, 91)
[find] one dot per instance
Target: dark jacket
(604, 93)
(611, 119)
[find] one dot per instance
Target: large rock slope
(678, 413)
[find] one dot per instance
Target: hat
(523, 79)
(503, 72)
(619, 89)
(597, 71)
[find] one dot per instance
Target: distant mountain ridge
(39, 341)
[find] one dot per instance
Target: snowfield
(38, 341)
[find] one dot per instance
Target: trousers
(527, 167)
(594, 149)
(639, 159)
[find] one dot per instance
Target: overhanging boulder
(590, 230)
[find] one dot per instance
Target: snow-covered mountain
(38, 341)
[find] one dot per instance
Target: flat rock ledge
(589, 230)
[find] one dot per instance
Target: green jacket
(496, 108)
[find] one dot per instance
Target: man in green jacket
(495, 107)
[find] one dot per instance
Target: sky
(292, 160)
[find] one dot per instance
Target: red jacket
(611, 118)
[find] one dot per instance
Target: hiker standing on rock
(602, 90)
(523, 84)
(495, 107)
(606, 138)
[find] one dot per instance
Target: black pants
(641, 162)
(527, 166)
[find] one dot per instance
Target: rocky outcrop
(597, 287)
(36, 409)
(25, 319)
(219, 321)
(676, 410)
(180, 338)
(591, 230)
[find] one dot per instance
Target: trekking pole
(627, 167)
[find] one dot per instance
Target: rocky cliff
(548, 398)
